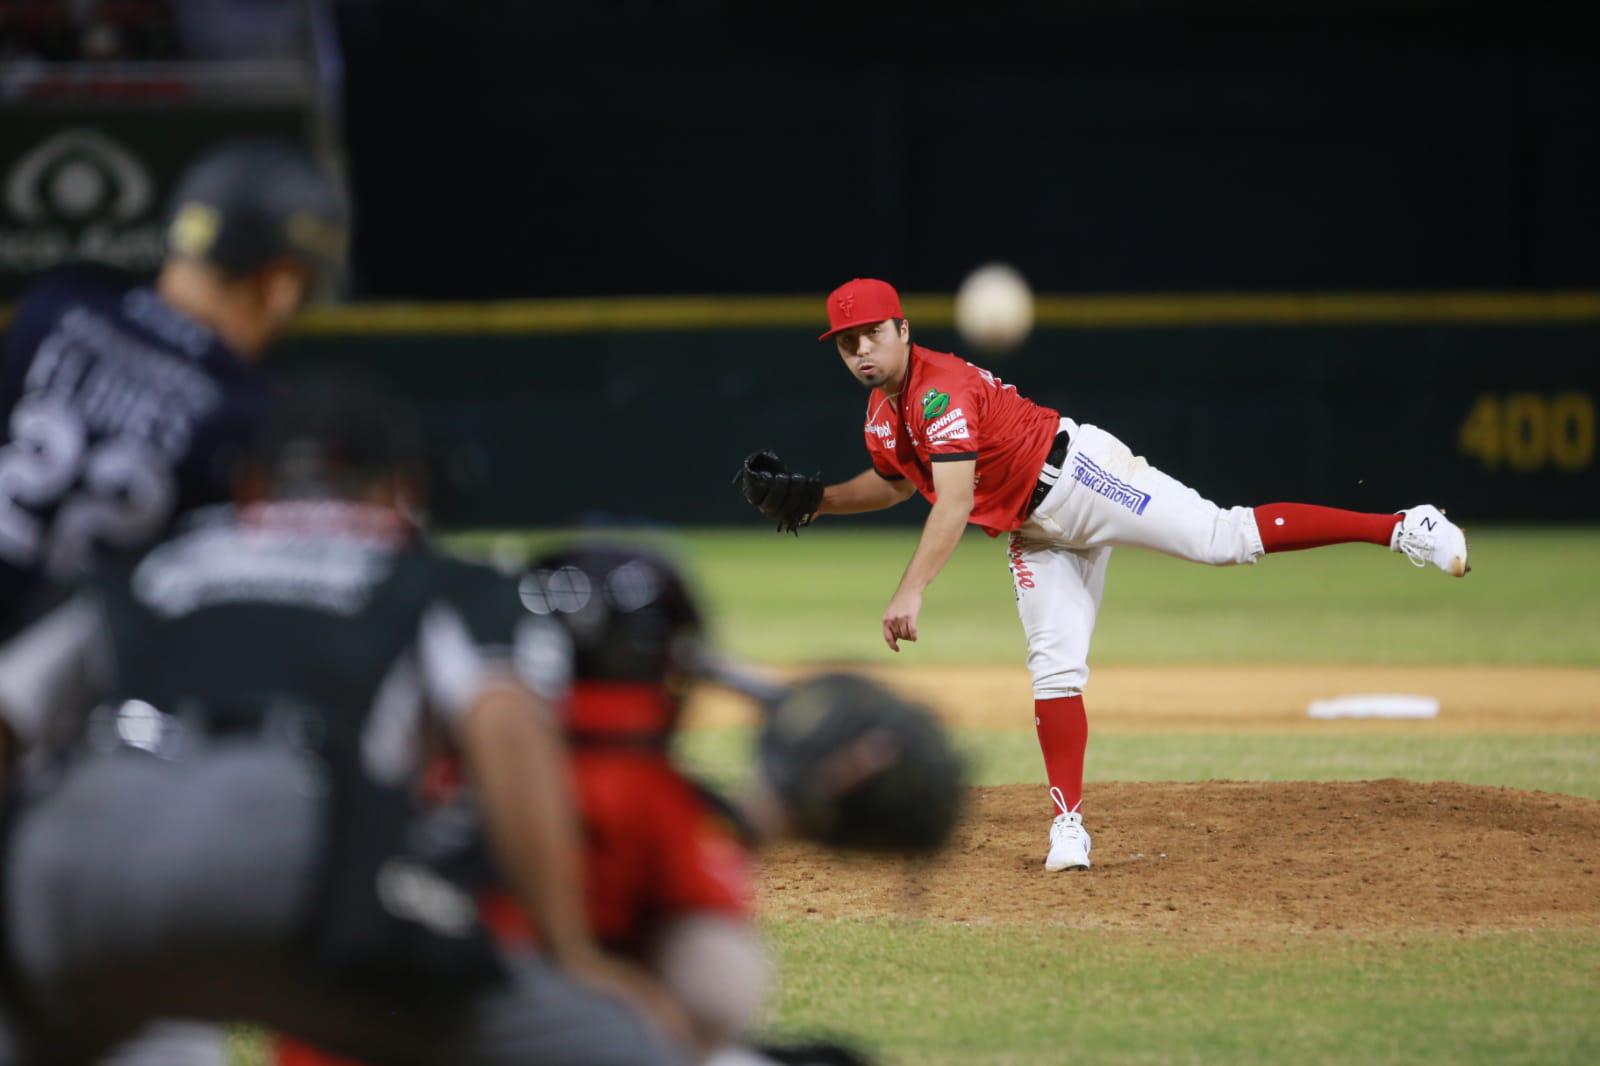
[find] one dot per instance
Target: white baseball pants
(1105, 496)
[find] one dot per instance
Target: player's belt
(135, 724)
(1050, 473)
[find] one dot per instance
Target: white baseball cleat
(1069, 844)
(1425, 536)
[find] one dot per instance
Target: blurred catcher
(219, 816)
(667, 877)
(1064, 492)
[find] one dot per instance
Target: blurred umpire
(122, 404)
(668, 879)
(233, 829)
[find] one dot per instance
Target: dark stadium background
(638, 149)
(1442, 157)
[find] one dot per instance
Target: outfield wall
(578, 411)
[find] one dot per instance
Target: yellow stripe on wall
(581, 315)
(634, 314)
(805, 312)
(1319, 309)
(648, 313)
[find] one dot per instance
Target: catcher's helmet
(630, 613)
(249, 202)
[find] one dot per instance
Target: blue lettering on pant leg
(1091, 475)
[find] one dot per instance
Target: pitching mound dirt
(1236, 859)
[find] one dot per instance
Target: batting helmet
(249, 202)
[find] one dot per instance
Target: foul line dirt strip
(1270, 698)
(1241, 860)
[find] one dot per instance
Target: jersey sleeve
(885, 471)
(949, 415)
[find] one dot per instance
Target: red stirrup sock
(1063, 735)
(1292, 527)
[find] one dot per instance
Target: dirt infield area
(1241, 860)
(1274, 698)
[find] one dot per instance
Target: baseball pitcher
(1064, 492)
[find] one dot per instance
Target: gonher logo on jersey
(951, 426)
(934, 402)
(79, 195)
(1092, 476)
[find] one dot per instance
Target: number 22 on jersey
(62, 495)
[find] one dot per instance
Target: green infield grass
(916, 992)
(1542, 762)
(928, 993)
(1533, 597)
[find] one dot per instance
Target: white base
(1376, 706)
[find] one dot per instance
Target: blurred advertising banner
(91, 181)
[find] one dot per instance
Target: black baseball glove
(857, 766)
(789, 499)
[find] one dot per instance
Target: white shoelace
(1068, 822)
(1416, 546)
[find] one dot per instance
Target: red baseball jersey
(950, 410)
(655, 849)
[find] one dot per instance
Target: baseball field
(1267, 887)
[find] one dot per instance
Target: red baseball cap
(859, 301)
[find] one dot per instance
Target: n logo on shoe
(1427, 523)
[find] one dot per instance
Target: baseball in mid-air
(994, 309)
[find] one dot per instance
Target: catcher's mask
(636, 632)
